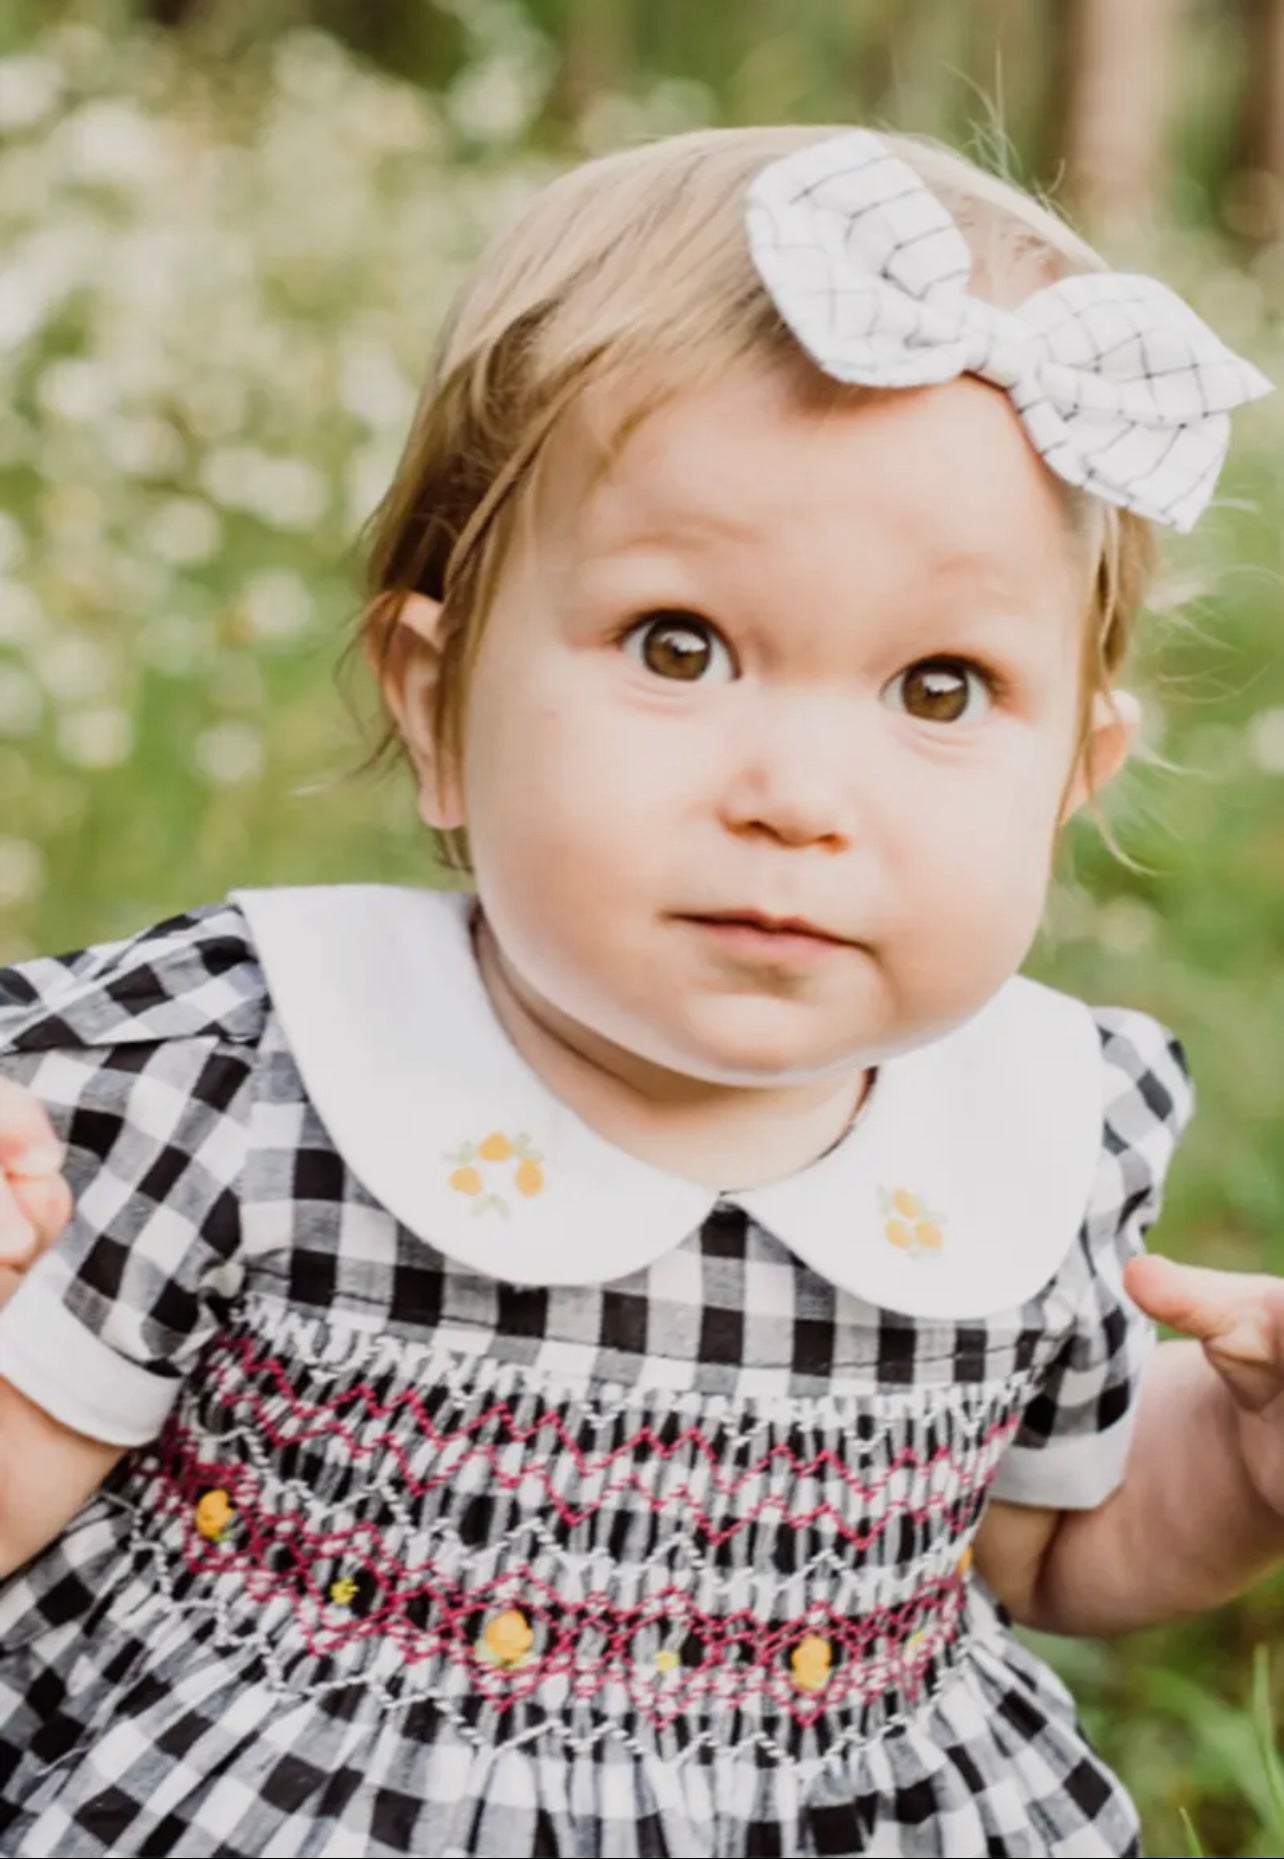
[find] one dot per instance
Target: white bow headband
(1120, 386)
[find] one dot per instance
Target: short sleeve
(143, 1053)
(1070, 1450)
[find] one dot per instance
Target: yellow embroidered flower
(507, 1638)
(529, 1177)
(909, 1224)
(964, 1563)
(494, 1152)
(214, 1513)
(667, 1660)
(810, 1663)
(344, 1591)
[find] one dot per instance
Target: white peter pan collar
(958, 1190)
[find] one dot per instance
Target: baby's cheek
(972, 913)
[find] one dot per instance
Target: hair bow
(1122, 389)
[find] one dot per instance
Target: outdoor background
(228, 232)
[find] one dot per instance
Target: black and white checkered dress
(407, 1559)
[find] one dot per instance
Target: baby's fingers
(28, 1145)
(19, 1239)
(1237, 1316)
(35, 1202)
(44, 1202)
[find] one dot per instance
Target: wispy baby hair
(634, 269)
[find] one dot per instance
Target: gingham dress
(421, 1562)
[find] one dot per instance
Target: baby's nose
(797, 779)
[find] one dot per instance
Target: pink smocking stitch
(321, 1421)
(590, 1643)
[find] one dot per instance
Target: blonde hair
(637, 265)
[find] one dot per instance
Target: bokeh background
(228, 232)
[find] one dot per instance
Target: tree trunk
(1115, 67)
(173, 12)
(1006, 100)
(1255, 200)
(596, 46)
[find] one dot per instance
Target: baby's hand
(35, 1201)
(1239, 1319)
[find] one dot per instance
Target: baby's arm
(35, 1201)
(47, 1472)
(1143, 1484)
(1200, 1514)
(144, 1056)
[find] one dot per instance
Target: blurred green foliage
(226, 254)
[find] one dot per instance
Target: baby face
(771, 726)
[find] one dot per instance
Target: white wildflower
(108, 141)
(143, 447)
(228, 754)
(277, 605)
(284, 492)
(39, 273)
(1266, 741)
(21, 615)
(310, 68)
(99, 738)
(25, 301)
(372, 386)
(30, 86)
(611, 120)
(289, 494)
(495, 101)
(366, 476)
(73, 668)
(1127, 924)
(183, 530)
(76, 389)
(22, 872)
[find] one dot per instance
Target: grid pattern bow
(1120, 386)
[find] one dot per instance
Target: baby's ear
(409, 670)
(1113, 728)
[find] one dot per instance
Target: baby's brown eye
(942, 690)
(678, 647)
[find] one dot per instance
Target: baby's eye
(942, 690)
(679, 646)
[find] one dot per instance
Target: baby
(596, 1363)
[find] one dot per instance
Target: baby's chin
(758, 1046)
(773, 1044)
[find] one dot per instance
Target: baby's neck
(722, 1137)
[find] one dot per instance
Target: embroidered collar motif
(958, 1190)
